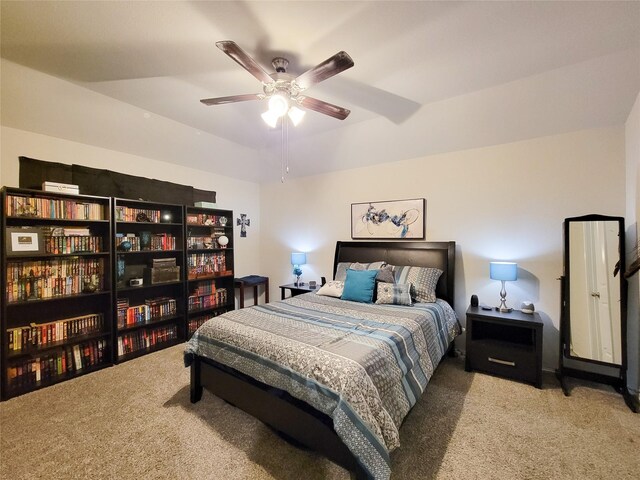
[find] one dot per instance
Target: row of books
(152, 309)
(52, 278)
(205, 219)
(197, 322)
(205, 264)
(129, 214)
(159, 241)
(54, 267)
(145, 338)
(56, 364)
(41, 335)
(216, 299)
(19, 206)
(204, 288)
(72, 244)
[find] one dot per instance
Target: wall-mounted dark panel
(106, 183)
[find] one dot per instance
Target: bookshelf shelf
(144, 351)
(21, 390)
(56, 248)
(152, 322)
(26, 303)
(36, 351)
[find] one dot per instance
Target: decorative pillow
(394, 294)
(359, 285)
(331, 289)
(385, 274)
(423, 279)
(341, 270)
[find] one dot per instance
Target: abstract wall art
(394, 219)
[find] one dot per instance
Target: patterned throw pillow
(394, 294)
(341, 270)
(331, 289)
(423, 280)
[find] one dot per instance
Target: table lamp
(298, 259)
(505, 272)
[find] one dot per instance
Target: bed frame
(294, 419)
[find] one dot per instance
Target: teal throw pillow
(359, 285)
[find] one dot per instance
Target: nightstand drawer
(505, 360)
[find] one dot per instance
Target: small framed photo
(24, 241)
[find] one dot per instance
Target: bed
(332, 375)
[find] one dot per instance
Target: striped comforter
(364, 365)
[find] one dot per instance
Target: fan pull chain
(282, 150)
(286, 142)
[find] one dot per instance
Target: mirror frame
(566, 300)
(619, 381)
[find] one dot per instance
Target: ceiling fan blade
(244, 60)
(325, 107)
(330, 67)
(232, 99)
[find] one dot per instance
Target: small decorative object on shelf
(125, 246)
(90, 285)
(142, 217)
(223, 241)
(166, 216)
(222, 221)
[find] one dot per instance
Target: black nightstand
(505, 344)
(296, 289)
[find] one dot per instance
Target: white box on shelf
(60, 188)
(205, 204)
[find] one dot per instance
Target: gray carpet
(135, 421)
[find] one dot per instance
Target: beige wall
(505, 202)
(632, 139)
(237, 195)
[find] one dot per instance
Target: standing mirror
(593, 313)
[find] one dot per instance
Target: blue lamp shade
(505, 271)
(298, 258)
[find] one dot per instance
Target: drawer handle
(502, 362)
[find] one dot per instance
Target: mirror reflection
(594, 291)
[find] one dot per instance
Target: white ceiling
(429, 77)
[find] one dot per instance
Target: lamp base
(504, 309)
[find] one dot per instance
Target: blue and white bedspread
(364, 365)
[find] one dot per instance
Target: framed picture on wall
(393, 219)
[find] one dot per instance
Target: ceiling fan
(283, 90)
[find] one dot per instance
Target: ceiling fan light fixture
(270, 118)
(296, 115)
(278, 104)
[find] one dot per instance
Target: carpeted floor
(135, 421)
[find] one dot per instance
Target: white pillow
(333, 288)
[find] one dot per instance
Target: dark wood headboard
(440, 255)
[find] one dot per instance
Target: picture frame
(390, 219)
(24, 241)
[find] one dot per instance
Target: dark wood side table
(296, 289)
(505, 344)
(252, 281)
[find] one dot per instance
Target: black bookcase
(149, 281)
(56, 288)
(209, 264)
